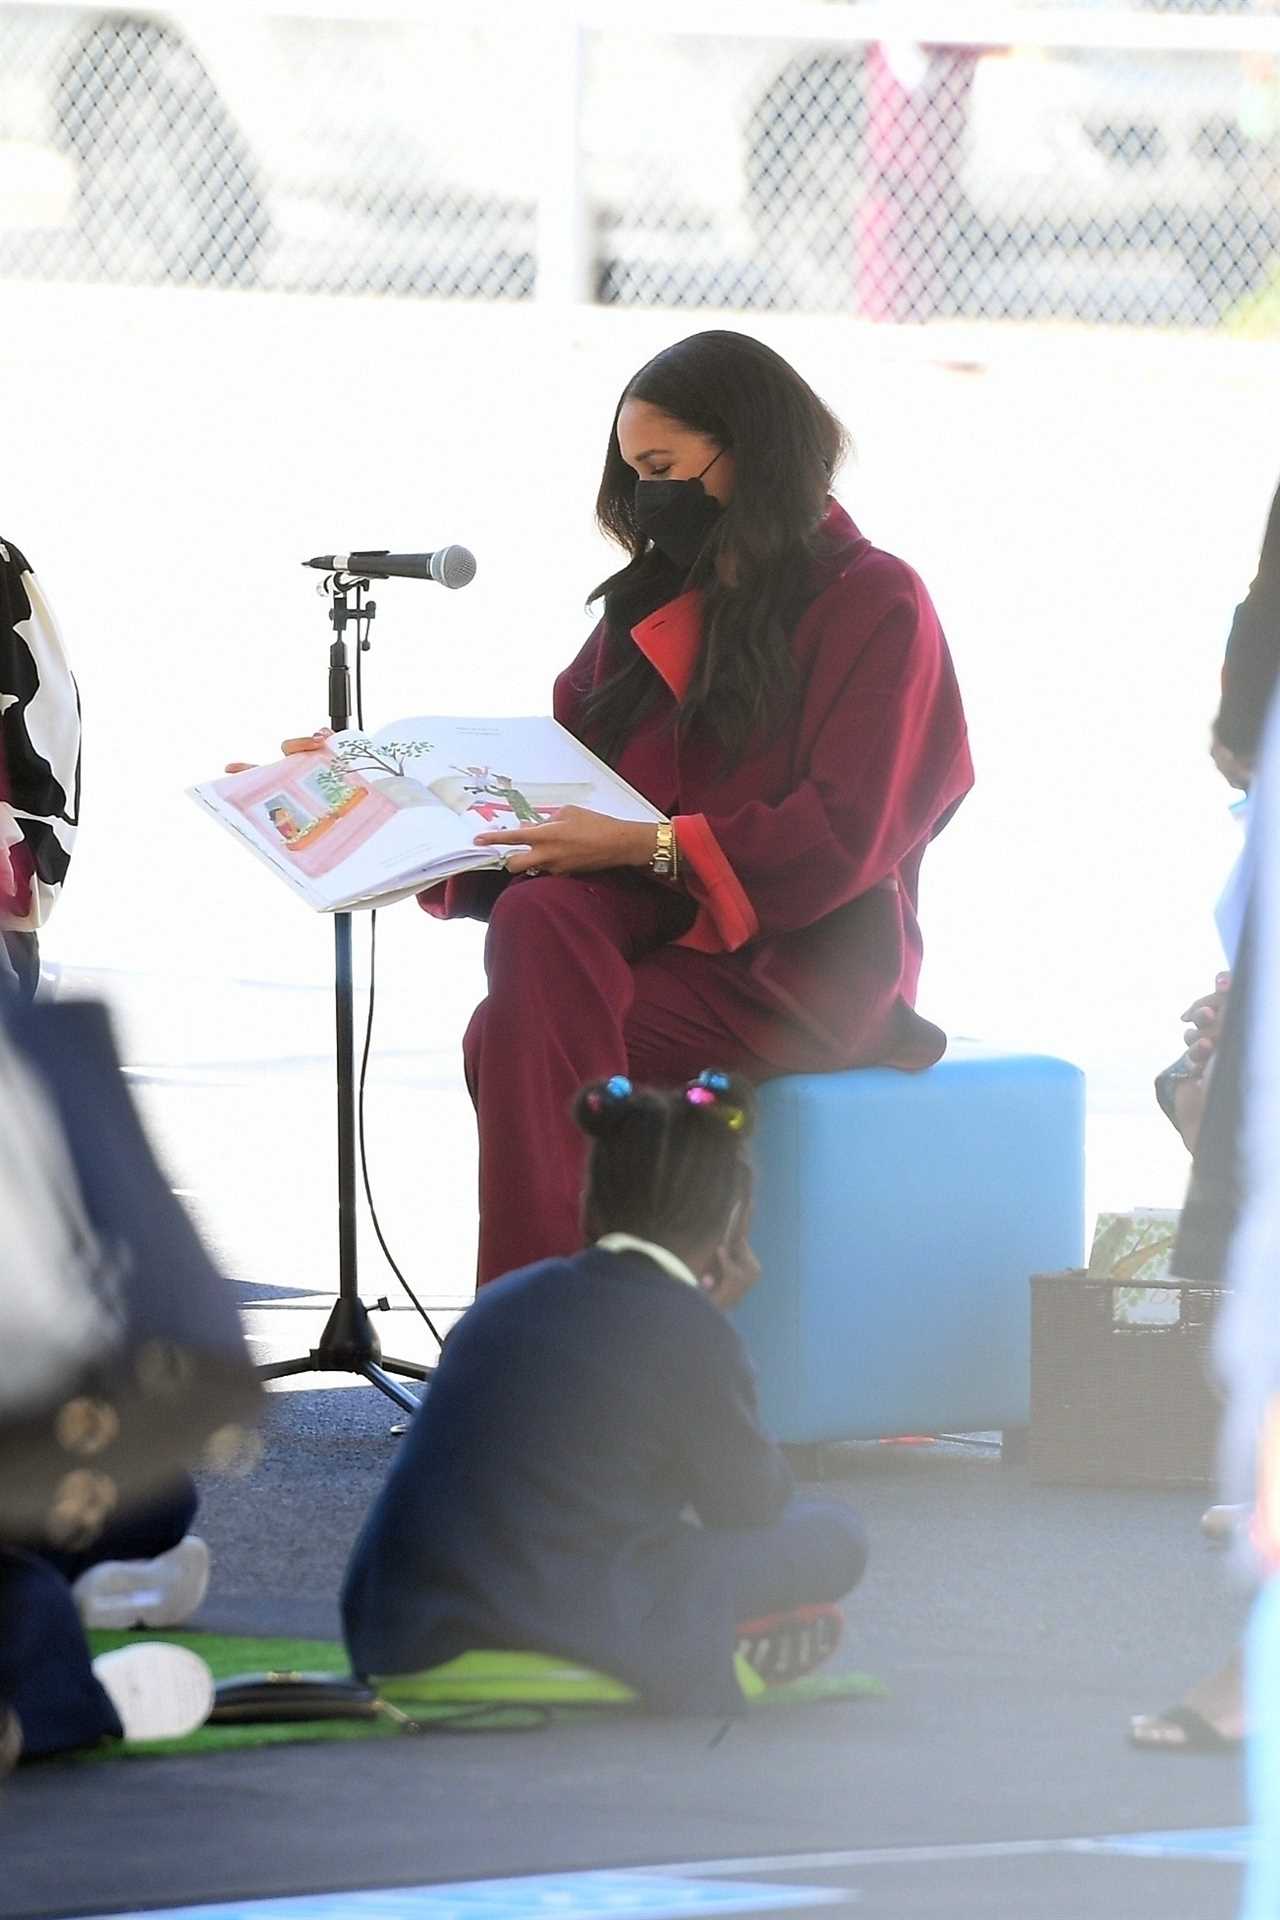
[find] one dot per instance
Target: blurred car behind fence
(893, 159)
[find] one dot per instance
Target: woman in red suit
(783, 692)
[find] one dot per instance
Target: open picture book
(372, 817)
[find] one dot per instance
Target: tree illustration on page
(331, 784)
(388, 756)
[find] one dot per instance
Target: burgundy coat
(804, 859)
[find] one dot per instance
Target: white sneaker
(145, 1593)
(159, 1691)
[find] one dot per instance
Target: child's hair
(665, 1165)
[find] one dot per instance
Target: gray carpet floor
(1016, 1626)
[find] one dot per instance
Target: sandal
(1198, 1734)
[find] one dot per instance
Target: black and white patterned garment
(39, 759)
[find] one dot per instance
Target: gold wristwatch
(665, 861)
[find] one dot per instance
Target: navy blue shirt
(581, 1405)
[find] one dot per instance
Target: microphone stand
(348, 1343)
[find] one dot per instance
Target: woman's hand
(577, 841)
(304, 743)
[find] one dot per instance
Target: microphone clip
(341, 613)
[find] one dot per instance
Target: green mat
(498, 1703)
(230, 1653)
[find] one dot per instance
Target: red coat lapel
(669, 639)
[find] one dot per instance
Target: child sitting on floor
(587, 1477)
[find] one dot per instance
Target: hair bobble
(610, 1093)
(708, 1090)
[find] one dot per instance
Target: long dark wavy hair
(756, 564)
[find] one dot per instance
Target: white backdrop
(1086, 509)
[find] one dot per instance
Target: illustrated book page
(372, 817)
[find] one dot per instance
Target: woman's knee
(556, 938)
(588, 914)
(534, 918)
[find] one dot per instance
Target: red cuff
(728, 919)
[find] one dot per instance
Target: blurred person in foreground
(140, 1565)
(69, 1536)
(1204, 1092)
(1249, 1337)
(1209, 1718)
(584, 1409)
(40, 758)
(783, 691)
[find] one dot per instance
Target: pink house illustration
(314, 808)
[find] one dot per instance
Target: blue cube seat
(898, 1220)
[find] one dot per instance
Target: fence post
(564, 267)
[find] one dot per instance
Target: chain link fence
(1123, 167)
(911, 181)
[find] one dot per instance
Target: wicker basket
(1115, 1405)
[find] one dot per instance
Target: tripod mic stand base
(350, 1345)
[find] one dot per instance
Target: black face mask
(677, 515)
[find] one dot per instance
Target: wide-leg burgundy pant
(584, 983)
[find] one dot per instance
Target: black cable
(362, 641)
(364, 1158)
(489, 1716)
(388, 1256)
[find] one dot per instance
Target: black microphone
(447, 566)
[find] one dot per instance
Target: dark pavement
(1016, 1627)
